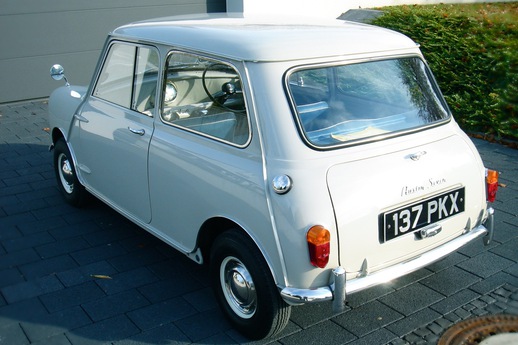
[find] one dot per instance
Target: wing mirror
(57, 72)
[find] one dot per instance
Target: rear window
(344, 104)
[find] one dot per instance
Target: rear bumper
(338, 288)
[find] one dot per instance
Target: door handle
(137, 131)
(81, 118)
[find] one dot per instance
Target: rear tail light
(319, 246)
(492, 184)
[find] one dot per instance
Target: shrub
(473, 52)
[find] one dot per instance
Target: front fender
(63, 104)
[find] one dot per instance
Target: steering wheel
(229, 97)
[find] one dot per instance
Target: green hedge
(473, 52)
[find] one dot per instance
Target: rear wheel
(245, 288)
(75, 193)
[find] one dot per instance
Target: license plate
(410, 218)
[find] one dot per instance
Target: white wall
(324, 8)
(34, 34)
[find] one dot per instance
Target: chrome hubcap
(66, 174)
(238, 287)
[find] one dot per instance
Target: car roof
(265, 39)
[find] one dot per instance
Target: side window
(205, 96)
(115, 81)
(129, 77)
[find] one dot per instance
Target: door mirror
(57, 72)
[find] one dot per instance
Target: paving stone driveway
(89, 276)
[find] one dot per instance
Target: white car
(302, 161)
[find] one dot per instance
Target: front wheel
(244, 287)
(75, 194)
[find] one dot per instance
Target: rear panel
(394, 206)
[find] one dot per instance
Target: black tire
(73, 191)
(253, 303)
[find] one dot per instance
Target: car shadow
(89, 275)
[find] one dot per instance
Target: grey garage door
(36, 34)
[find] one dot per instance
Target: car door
(201, 165)
(115, 128)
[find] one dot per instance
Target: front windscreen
(341, 104)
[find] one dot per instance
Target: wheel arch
(211, 229)
(57, 134)
(214, 227)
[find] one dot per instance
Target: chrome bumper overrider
(339, 288)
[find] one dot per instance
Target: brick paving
(89, 276)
